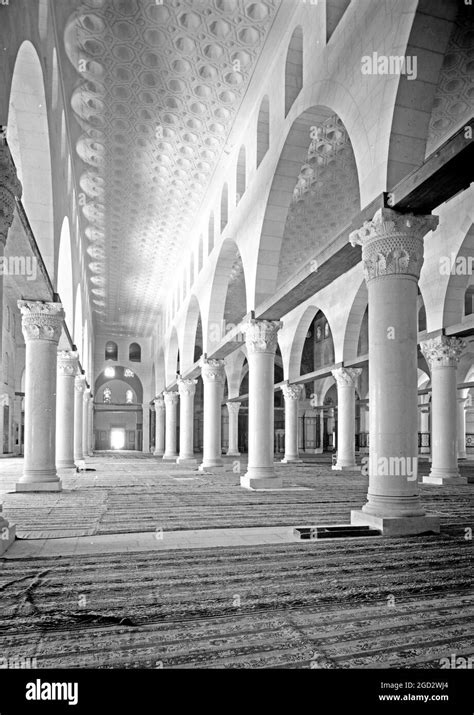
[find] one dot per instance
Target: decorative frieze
(261, 336)
(41, 320)
(443, 351)
(392, 243)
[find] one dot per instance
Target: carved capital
(261, 336)
(171, 398)
(392, 243)
(212, 370)
(159, 403)
(80, 383)
(87, 395)
(291, 392)
(41, 320)
(10, 187)
(347, 376)
(233, 407)
(186, 386)
(68, 362)
(443, 351)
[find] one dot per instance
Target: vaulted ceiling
(154, 92)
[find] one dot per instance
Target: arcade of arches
(237, 297)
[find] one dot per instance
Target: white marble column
(261, 341)
(42, 324)
(187, 390)
(67, 370)
(346, 380)
(292, 395)
(85, 423)
(91, 426)
(425, 425)
(171, 407)
(159, 426)
(79, 387)
(233, 412)
(462, 427)
(392, 256)
(213, 378)
(443, 355)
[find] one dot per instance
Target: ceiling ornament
(158, 88)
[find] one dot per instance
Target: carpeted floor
(389, 603)
(140, 494)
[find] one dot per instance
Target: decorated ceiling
(156, 89)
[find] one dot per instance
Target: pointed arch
(224, 206)
(263, 129)
(294, 68)
(64, 283)
(210, 233)
(241, 175)
(78, 324)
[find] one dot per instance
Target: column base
(7, 534)
(249, 482)
(232, 454)
(170, 457)
(39, 486)
(346, 467)
(291, 460)
(186, 460)
(158, 453)
(440, 480)
(211, 464)
(65, 464)
(397, 525)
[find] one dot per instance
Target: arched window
(111, 350)
(134, 352)
(109, 372)
(128, 373)
(107, 395)
(294, 69)
(263, 130)
(129, 397)
(326, 330)
(241, 175)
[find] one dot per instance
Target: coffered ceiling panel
(157, 89)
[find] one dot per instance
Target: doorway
(117, 438)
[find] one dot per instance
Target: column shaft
(346, 379)
(171, 406)
(261, 341)
(85, 424)
(462, 428)
(392, 255)
(79, 385)
(213, 377)
(67, 369)
(291, 394)
(42, 325)
(159, 427)
(187, 389)
(233, 411)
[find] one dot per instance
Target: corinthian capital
(159, 403)
(233, 407)
(291, 392)
(186, 386)
(10, 187)
(392, 243)
(80, 383)
(41, 320)
(212, 370)
(347, 376)
(171, 398)
(261, 336)
(443, 351)
(68, 362)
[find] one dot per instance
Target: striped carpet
(375, 603)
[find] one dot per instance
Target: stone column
(233, 410)
(425, 425)
(213, 378)
(42, 324)
(171, 407)
(80, 386)
(261, 341)
(159, 426)
(442, 355)
(346, 380)
(91, 426)
(392, 256)
(292, 395)
(67, 370)
(187, 390)
(85, 423)
(462, 427)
